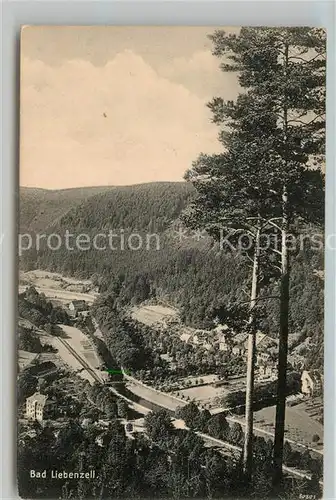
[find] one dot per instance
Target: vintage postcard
(171, 248)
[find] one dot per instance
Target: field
(300, 426)
(313, 407)
(205, 394)
(56, 286)
(206, 379)
(50, 280)
(25, 358)
(153, 314)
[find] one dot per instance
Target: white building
(311, 383)
(78, 306)
(267, 371)
(223, 346)
(35, 406)
(185, 337)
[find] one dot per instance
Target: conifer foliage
(273, 138)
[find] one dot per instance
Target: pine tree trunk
(251, 356)
(283, 347)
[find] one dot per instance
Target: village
(204, 390)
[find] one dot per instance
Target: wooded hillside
(189, 271)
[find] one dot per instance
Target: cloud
(202, 75)
(120, 123)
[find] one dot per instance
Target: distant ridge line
(50, 190)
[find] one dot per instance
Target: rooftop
(314, 375)
(38, 398)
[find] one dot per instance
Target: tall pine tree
(274, 137)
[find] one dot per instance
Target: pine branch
(260, 299)
(250, 259)
(270, 221)
(306, 61)
(274, 250)
(296, 120)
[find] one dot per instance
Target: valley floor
(300, 424)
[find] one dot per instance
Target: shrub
(236, 433)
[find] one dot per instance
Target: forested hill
(141, 207)
(41, 208)
(190, 272)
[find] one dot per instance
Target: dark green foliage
(236, 434)
(28, 340)
(202, 420)
(197, 277)
(143, 207)
(274, 135)
(69, 437)
(218, 427)
(175, 462)
(159, 427)
(122, 336)
(110, 407)
(303, 461)
(104, 400)
(190, 414)
(39, 311)
(26, 386)
(40, 208)
(316, 438)
(122, 409)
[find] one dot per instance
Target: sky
(116, 105)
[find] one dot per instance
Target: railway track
(222, 444)
(79, 358)
(98, 379)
